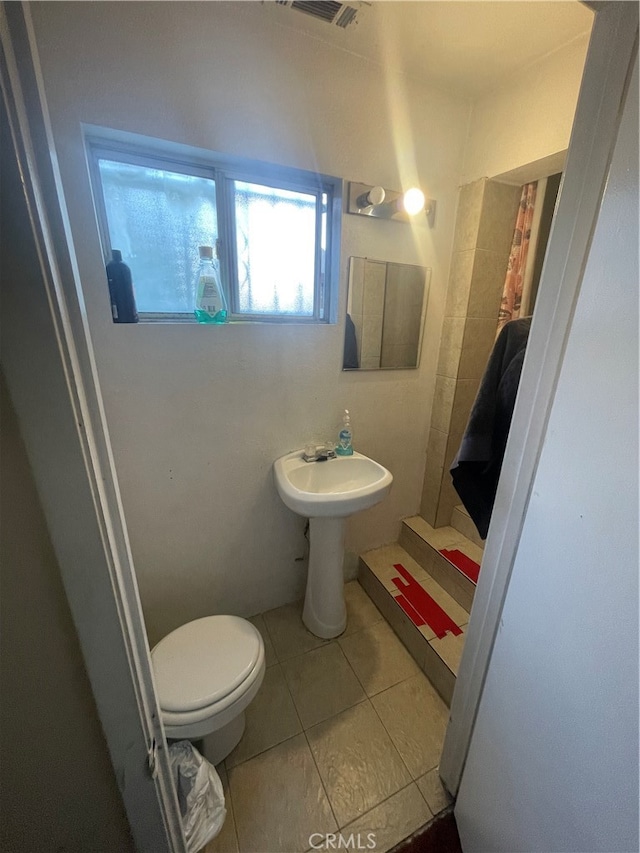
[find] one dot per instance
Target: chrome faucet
(312, 453)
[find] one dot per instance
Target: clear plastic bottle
(211, 303)
(345, 438)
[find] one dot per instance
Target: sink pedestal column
(325, 611)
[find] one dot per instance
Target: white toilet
(206, 673)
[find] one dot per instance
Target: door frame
(609, 59)
(49, 351)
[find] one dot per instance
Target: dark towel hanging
(476, 468)
(350, 360)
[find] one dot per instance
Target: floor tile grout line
(389, 735)
(279, 663)
(391, 741)
(403, 788)
(412, 780)
(262, 751)
(324, 643)
(233, 814)
(367, 694)
(364, 689)
(304, 731)
(337, 642)
(326, 793)
(266, 627)
(293, 702)
(317, 723)
(275, 746)
(344, 710)
(292, 697)
(268, 630)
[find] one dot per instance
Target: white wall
(553, 759)
(527, 119)
(197, 415)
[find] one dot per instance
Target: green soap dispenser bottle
(345, 438)
(211, 304)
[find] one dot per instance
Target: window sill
(185, 319)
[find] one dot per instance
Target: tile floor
(344, 735)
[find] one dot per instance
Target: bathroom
(187, 408)
(195, 415)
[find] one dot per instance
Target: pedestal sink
(326, 492)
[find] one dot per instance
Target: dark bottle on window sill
(123, 300)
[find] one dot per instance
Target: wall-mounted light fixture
(408, 206)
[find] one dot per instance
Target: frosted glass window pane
(158, 218)
(276, 243)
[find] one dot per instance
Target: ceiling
(467, 48)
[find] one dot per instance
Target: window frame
(224, 170)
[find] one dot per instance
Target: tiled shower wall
(484, 231)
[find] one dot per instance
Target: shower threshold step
(424, 586)
(427, 619)
(447, 555)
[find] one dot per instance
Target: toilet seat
(206, 672)
(232, 704)
(203, 662)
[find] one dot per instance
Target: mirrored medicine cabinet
(386, 305)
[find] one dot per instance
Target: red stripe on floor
(427, 609)
(410, 610)
(466, 565)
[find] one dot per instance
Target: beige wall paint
(529, 118)
(197, 415)
(58, 787)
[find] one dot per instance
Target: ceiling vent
(339, 14)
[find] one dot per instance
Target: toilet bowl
(206, 673)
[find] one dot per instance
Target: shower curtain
(512, 292)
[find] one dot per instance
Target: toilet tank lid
(203, 661)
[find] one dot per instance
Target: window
(276, 231)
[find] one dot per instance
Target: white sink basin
(326, 493)
(331, 489)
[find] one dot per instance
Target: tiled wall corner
(459, 286)
(484, 230)
(443, 398)
(477, 343)
(463, 400)
(489, 268)
(468, 218)
(451, 347)
(437, 447)
(498, 218)
(431, 492)
(447, 500)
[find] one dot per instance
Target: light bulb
(413, 201)
(373, 197)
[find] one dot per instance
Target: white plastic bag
(200, 794)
